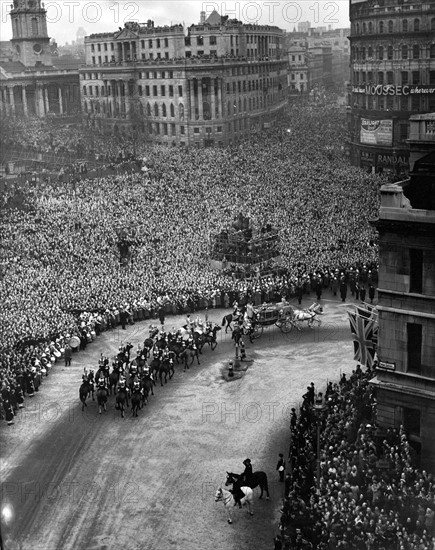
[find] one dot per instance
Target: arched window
(357, 28)
(416, 25)
(390, 52)
(405, 25)
(230, 112)
(84, 91)
(381, 52)
(148, 109)
(156, 109)
(432, 24)
(35, 31)
(363, 53)
(390, 26)
(141, 109)
(244, 104)
(381, 27)
(172, 110)
(370, 52)
(181, 111)
(370, 27)
(432, 51)
(163, 110)
(415, 51)
(404, 52)
(364, 28)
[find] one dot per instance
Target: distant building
(392, 78)
(211, 85)
(30, 83)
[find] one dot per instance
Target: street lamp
(319, 408)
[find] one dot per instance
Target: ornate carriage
(280, 315)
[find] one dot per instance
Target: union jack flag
(362, 334)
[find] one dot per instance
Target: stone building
(392, 78)
(405, 378)
(210, 84)
(30, 83)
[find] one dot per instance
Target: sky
(65, 17)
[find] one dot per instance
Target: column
(59, 91)
(46, 101)
(11, 100)
(191, 99)
(201, 115)
(219, 98)
(118, 87)
(40, 100)
(213, 99)
(23, 92)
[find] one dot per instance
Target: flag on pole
(362, 334)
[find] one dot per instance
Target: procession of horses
(132, 380)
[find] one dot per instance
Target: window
(390, 77)
(171, 91)
(416, 25)
(200, 41)
(156, 109)
(381, 27)
(150, 43)
(158, 43)
(99, 47)
(164, 110)
(390, 52)
(166, 43)
(404, 52)
(181, 112)
(213, 41)
(163, 90)
(390, 26)
(404, 77)
(404, 129)
(415, 270)
(196, 130)
(405, 25)
(142, 44)
(172, 110)
(414, 340)
(381, 52)
(432, 51)
(380, 78)
(180, 91)
(84, 90)
(163, 75)
(182, 130)
(370, 31)
(415, 77)
(432, 24)
(415, 51)
(155, 91)
(92, 47)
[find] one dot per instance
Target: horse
(210, 338)
(84, 391)
(222, 495)
(227, 320)
(114, 377)
(189, 353)
(102, 398)
(309, 314)
(257, 479)
(147, 384)
(136, 401)
(122, 400)
(166, 367)
(103, 372)
(154, 367)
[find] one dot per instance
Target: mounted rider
(243, 481)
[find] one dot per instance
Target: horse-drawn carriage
(284, 316)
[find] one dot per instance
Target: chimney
(202, 18)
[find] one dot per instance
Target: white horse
(222, 495)
(309, 314)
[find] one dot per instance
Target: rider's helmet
(136, 384)
(246, 461)
(101, 383)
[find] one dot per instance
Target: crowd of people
(361, 491)
(121, 241)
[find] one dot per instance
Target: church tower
(30, 40)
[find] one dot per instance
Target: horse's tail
(224, 320)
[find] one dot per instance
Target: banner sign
(376, 132)
(391, 89)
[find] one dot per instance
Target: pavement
(84, 481)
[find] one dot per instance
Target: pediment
(126, 34)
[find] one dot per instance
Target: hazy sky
(66, 16)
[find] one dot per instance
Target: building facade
(392, 78)
(30, 83)
(405, 378)
(211, 85)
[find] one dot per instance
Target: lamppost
(319, 408)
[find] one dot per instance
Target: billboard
(376, 132)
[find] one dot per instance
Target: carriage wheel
(286, 326)
(257, 331)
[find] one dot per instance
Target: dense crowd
(121, 241)
(368, 494)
